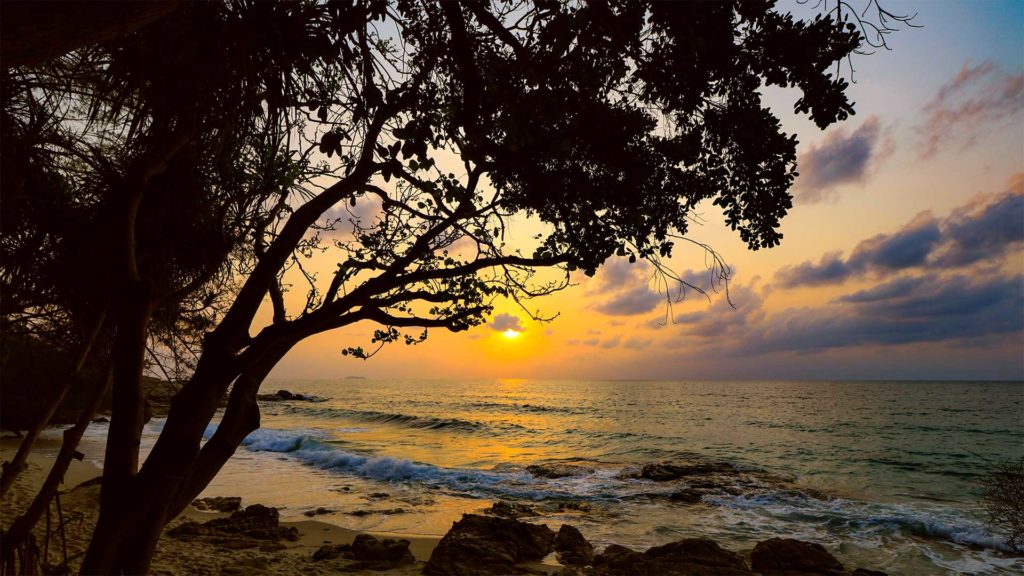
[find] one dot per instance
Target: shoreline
(175, 556)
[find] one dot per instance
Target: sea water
(881, 473)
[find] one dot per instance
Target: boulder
(571, 548)
(317, 512)
(665, 471)
(688, 496)
(511, 510)
(257, 522)
(618, 560)
(330, 551)
(789, 556)
(366, 548)
(218, 503)
(281, 395)
(558, 470)
(694, 557)
(689, 557)
(487, 545)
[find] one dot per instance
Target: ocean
(881, 473)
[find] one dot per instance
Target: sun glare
(511, 334)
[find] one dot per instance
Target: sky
(903, 257)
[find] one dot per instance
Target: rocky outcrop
(666, 471)
(510, 510)
(243, 529)
(554, 471)
(786, 556)
(689, 557)
(218, 503)
(571, 548)
(281, 395)
(486, 545)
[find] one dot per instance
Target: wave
(312, 449)
(407, 420)
(867, 519)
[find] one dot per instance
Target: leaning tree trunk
(179, 467)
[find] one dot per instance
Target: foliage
(1002, 499)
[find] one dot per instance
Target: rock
(620, 561)
(218, 503)
(319, 511)
(511, 510)
(664, 471)
(571, 548)
(273, 547)
(281, 395)
(330, 551)
(366, 548)
(257, 522)
(694, 557)
(488, 546)
(101, 420)
(789, 556)
(558, 470)
(688, 496)
(689, 557)
(361, 513)
(866, 572)
(378, 495)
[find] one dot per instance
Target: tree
(607, 121)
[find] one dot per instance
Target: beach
(867, 475)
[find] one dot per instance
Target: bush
(1003, 500)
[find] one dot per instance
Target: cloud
(504, 322)
(904, 311)
(842, 158)
(974, 100)
(635, 300)
(624, 288)
(985, 230)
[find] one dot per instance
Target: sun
(511, 334)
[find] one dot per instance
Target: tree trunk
(177, 469)
(120, 461)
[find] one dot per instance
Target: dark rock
(618, 560)
(273, 546)
(330, 551)
(218, 503)
(696, 557)
(689, 557)
(488, 546)
(257, 522)
(688, 496)
(558, 470)
(572, 548)
(366, 548)
(511, 510)
(378, 495)
(664, 471)
(361, 513)
(281, 395)
(866, 572)
(317, 512)
(786, 555)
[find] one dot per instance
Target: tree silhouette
(224, 144)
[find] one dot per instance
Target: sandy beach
(176, 556)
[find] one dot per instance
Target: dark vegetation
(178, 167)
(1002, 500)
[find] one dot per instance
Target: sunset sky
(903, 257)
